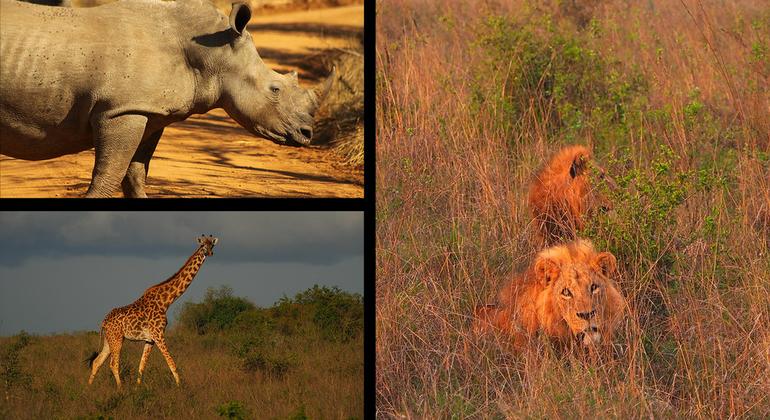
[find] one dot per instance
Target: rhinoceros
(113, 77)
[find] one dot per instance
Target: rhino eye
(566, 293)
(275, 89)
(594, 287)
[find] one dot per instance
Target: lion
(567, 294)
(560, 195)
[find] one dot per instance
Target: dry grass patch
(471, 100)
(302, 357)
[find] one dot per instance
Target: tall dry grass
(673, 98)
(52, 381)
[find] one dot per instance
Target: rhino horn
(320, 91)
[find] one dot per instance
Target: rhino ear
(239, 17)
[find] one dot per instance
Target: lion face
(577, 288)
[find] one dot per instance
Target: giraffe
(145, 319)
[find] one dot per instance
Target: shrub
(218, 311)
(11, 371)
(299, 414)
(267, 362)
(233, 410)
(254, 322)
(570, 87)
(655, 191)
(338, 315)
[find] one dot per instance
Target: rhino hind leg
(116, 141)
(133, 182)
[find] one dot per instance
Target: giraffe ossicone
(145, 319)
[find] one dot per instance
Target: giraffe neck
(167, 292)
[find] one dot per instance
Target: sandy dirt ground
(210, 155)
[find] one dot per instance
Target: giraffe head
(207, 242)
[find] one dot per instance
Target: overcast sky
(63, 271)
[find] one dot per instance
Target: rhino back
(61, 66)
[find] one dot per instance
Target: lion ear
(578, 166)
(546, 270)
(607, 263)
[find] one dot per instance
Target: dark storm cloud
(74, 293)
(307, 237)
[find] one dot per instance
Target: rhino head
(264, 102)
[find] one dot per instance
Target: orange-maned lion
(560, 195)
(566, 294)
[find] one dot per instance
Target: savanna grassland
(672, 96)
(300, 359)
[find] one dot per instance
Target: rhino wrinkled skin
(113, 77)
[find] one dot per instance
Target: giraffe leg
(145, 353)
(115, 361)
(171, 365)
(98, 361)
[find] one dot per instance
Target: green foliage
(569, 86)
(10, 370)
(299, 414)
(254, 322)
(339, 315)
(217, 312)
(274, 364)
(233, 410)
(644, 204)
(758, 52)
(257, 336)
(96, 417)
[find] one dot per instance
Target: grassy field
(673, 98)
(302, 358)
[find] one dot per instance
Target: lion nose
(586, 315)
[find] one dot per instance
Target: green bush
(570, 87)
(10, 370)
(271, 363)
(255, 322)
(339, 315)
(217, 312)
(639, 229)
(233, 410)
(299, 414)
(258, 336)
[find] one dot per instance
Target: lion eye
(566, 293)
(594, 287)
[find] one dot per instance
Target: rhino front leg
(136, 176)
(116, 141)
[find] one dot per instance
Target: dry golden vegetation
(302, 358)
(340, 119)
(672, 96)
(259, 6)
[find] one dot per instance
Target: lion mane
(560, 195)
(566, 294)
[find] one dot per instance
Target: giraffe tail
(90, 359)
